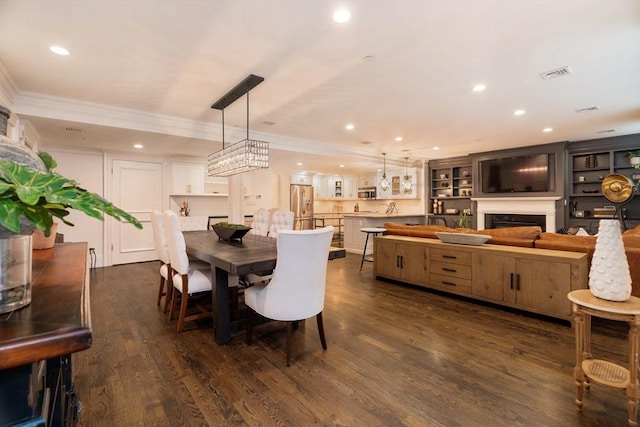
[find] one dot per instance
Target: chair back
(260, 223)
(297, 288)
(281, 219)
(175, 242)
(159, 236)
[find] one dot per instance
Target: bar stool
(372, 230)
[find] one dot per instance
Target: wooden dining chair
(296, 290)
(187, 282)
(160, 240)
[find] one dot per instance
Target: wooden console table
(602, 372)
(36, 341)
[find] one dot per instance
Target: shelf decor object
(609, 277)
(243, 156)
(384, 182)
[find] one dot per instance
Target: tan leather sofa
(534, 237)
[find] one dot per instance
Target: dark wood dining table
(252, 254)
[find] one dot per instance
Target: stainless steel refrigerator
(302, 206)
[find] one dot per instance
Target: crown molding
(38, 105)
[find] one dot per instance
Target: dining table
(251, 254)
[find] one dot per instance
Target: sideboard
(36, 342)
(530, 279)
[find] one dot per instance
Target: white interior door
(136, 188)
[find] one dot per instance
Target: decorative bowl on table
(227, 231)
(463, 238)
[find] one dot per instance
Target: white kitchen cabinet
(367, 181)
(349, 188)
(187, 178)
(301, 179)
(335, 186)
(320, 187)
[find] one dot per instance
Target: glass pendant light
(384, 182)
(407, 179)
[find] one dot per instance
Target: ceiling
(148, 71)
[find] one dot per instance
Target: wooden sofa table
(587, 369)
(36, 341)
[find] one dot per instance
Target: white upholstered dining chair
(187, 281)
(281, 219)
(160, 240)
(260, 222)
(296, 290)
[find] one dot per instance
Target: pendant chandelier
(406, 183)
(243, 156)
(384, 182)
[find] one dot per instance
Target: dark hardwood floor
(397, 356)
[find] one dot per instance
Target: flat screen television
(515, 174)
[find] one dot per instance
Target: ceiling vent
(607, 131)
(588, 109)
(558, 72)
(70, 129)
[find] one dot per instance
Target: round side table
(372, 230)
(587, 369)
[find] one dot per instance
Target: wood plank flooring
(397, 356)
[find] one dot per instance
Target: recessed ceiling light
(436, 148)
(341, 16)
(350, 126)
(479, 88)
(138, 146)
(398, 138)
(547, 130)
(299, 164)
(59, 50)
(519, 112)
(340, 166)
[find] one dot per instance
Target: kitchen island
(353, 222)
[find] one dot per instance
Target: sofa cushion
(631, 238)
(512, 236)
(568, 239)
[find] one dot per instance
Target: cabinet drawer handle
(449, 256)
(401, 261)
(444, 282)
(517, 281)
(450, 270)
(397, 261)
(511, 281)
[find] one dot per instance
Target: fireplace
(513, 220)
(511, 206)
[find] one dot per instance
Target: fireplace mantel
(517, 205)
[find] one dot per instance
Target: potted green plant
(634, 158)
(31, 196)
(463, 221)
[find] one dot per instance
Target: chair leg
(250, 320)
(183, 302)
(161, 291)
(289, 333)
(169, 292)
(321, 330)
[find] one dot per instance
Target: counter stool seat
(369, 230)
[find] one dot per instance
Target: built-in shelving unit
(589, 163)
(450, 188)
